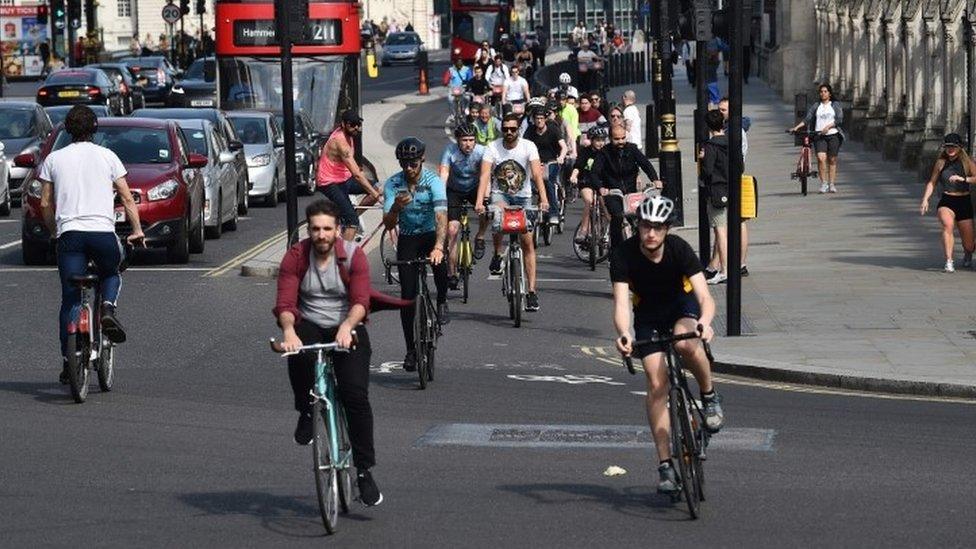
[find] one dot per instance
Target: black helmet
(553, 106)
(410, 148)
(597, 132)
(464, 130)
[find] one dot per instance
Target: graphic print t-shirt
(510, 167)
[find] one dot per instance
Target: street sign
(171, 13)
(76, 23)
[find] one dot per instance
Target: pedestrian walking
(714, 184)
(954, 172)
(632, 119)
(825, 117)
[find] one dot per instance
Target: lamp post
(670, 158)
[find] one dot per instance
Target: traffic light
(74, 10)
(201, 7)
(184, 6)
(42, 14)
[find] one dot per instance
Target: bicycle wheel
(420, 334)
(388, 243)
(79, 353)
(804, 170)
(683, 440)
(561, 196)
(344, 475)
(580, 249)
(465, 281)
(593, 240)
(326, 479)
(105, 367)
(515, 267)
(546, 231)
(432, 331)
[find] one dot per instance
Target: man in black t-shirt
(552, 152)
(479, 85)
(659, 276)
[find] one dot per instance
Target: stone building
(120, 19)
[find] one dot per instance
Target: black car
(58, 112)
(307, 148)
(219, 119)
(82, 86)
(158, 72)
(23, 128)
(198, 88)
(133, 94)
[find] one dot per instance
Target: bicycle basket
(514, 221)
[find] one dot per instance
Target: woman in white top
(826, 116)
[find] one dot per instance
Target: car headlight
(259, 160)
(177, 89)
(166, 189)
(34, 188)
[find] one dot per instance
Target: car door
(225, 172)
(274, 130)
(235, 145)
(192, 177)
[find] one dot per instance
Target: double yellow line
(247, 255)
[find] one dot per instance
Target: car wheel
(231, 224)
(245, 201)
(5, 205)
(213, 233)
(271, 200)
(196, 236)
(179, 250)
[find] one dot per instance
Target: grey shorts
(717, 217)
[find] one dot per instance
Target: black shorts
(663, 322)
(962, 206)
(829, 144)
(456, 198)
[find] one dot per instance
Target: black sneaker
(111, 326)
(65, 377)
(443, 314)
(532, 302)
(668, 479)
(303, 430)
(709, 273)
(495, 267)
(369, 494)
(479, 248)
(744, 271)
(410, 362)
(452, 282)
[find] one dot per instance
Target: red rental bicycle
(803, 171)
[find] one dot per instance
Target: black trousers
(615, 207)
(415, 246)
(352, 385)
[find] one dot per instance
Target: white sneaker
(832, 188)
(824, 188)
(949, 267)
(718, 279)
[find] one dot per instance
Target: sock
(709, 395)
(665, 462)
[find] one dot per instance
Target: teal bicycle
(331, 450)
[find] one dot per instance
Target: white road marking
(570, 379)
(2, 221)
(130, 269)
(13, 244)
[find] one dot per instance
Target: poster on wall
(21, 36)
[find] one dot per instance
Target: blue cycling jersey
(464, 168)
(429, 197)
(459, 77)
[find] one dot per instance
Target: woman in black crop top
(954, 171)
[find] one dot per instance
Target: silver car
(264, 149)
(6, 196)
(23, 127)
(219, 176)
(401, 47)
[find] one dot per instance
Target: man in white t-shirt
(515, 91)
(506, 167)
(632, 120)
(77, 204)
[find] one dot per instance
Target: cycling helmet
(597, 132)
(464, 130)
(410, 148)
(553, 106)
(656, 209)
(564, 78)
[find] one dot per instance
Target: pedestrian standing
(135, 47)
(825, 117)
(955, 172)
(714, 184)
(632, 119)
(543, 45)
(723, 107)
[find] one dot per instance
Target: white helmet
(564, 78)
(656, 209)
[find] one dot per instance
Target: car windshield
(16, 124)
(196, 140)
(252, 131)
(280, 119)
(202, 69)
(70, 77)
(401, 40)
(475, 26)
(132, 145)
(57, 115)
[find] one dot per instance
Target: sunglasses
(510, 129)
(354, 124)
(413, 164)
(614, 116)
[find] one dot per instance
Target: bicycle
(426, 326)
(465, 253)
(546, 229)
(631, 202)
(87, 348)
(689, 439)
(596, 246)
(331, 449)
(803, 171)
(388, 250)
(513, 267)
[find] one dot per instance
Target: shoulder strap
(349, 248)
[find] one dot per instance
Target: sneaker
(949, 267)
(718, 279)
(554, 219)
(495, 267)
(668, 483)
(369, 494)
(967, 260)
(824, 188)
(410, 362)
(714, 417)
(532, 302)
(710, 273)
(452, 282)
(580, 240)
(443, 314)
(111, 326)
(65, 377)
(744, 271)
(479, 248)
(303, 430)
(832, 189)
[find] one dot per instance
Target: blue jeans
(75, 249)
(551, 181)
(339, 194)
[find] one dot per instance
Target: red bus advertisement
(326, 63)
(478, 21)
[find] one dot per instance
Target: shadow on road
(49, 392)
(639, 501)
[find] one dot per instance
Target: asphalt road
(194, 448)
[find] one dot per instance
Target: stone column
(792, 65)
(895, 85)
(971, 76)
(935, 79)
(913, 43)
(878, 68)
(861, 56)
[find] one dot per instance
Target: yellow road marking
(246, 255)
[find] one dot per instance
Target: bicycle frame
(85, 318)
(803, 163)
(513, 254)
(324, 394)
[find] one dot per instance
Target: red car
(164, 177)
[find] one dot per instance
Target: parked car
(82, 86)
(264, 148)
(219, 119)
(58, 113)
(400, 47)
(23, 128)
(133, 94)
(198, 88)
(6, 198)
(306, 151)
(164, 177)
(219, 176)
(158, 72)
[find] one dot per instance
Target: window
(125, 8)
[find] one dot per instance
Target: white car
(219, 176)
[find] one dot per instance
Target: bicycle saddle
(85, 279)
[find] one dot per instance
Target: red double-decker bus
(477, 21)
(326, 62)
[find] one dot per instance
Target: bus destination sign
(263, 32)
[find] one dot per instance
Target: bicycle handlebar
(327, 347)
(663, 339)
(409, 262)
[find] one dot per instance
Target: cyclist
(323, 295)
(478, 86)
(459, 167)
(416, 201)
(78, 208)
(954, 171)
(486, 126)
(506, 167)
(552, 149)
(825, 117)
(589, 117)
(566, 85)
(582, 175)
(458, 75)
(497, 73)
(515, 91)
(658, 276)
(569, 114)
(616, 168)
(339, 176)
